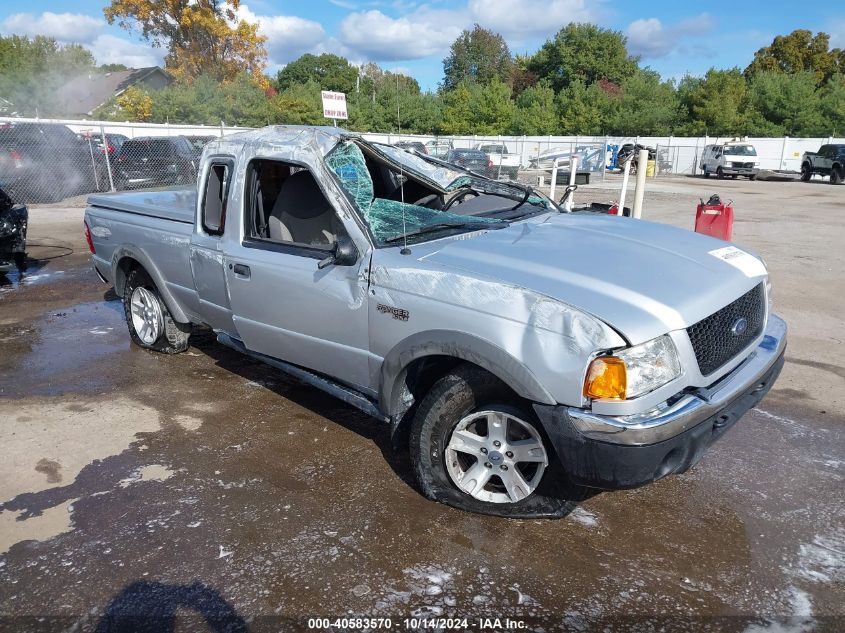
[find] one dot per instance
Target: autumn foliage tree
(203, 37)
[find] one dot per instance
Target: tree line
(583, 80)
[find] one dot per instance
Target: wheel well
(415, 381)
(122, 271)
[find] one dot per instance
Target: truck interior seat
(302, 214)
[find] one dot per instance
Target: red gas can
(715, 219)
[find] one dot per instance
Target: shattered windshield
(391, 219)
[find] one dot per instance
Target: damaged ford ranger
(522, 354)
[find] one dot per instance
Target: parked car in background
(472, 159)
(45, 162)
(504, 163)
(13, 221)
(416, 146)
(438, 148)
(198, 142)
(113, 143)
(155, 161)
(730, 159)
(828, 161)
(519, 353)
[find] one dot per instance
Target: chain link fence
(47, 161)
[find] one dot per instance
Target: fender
(456, 345)
(133, 252)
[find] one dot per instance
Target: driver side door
(286, 307)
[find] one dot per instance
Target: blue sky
(672, 37)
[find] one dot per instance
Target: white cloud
(379, 37)
(65, 27)
(650, 38)
(513, 18)
(288, 36)
(108, 49)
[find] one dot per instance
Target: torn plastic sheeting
(386, 218)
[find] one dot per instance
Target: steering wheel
(459, 197)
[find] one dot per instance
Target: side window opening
(285, 205)
(215, 198)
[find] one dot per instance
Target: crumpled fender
(456, 345)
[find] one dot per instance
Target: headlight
(634, 371)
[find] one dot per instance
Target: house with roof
(82, 95)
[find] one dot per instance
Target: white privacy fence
(92, 160)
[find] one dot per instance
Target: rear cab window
(216, 195)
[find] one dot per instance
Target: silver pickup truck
(524, 355)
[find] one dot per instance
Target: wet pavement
(209, 485)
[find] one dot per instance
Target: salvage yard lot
(209, 481)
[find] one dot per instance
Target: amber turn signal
(606, 378)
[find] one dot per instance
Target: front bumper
(628, 451)
(740, 171)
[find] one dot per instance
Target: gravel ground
(213, 487)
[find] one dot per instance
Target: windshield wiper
(439, 226)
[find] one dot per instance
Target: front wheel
(150, 324)
(836, 175)
(806, 173)
(476, 449)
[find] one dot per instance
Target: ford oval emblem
(739, 326)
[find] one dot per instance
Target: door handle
(241, 270)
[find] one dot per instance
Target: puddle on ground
(46, 356)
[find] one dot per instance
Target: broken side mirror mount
(343, 253)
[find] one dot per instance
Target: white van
(730, 159)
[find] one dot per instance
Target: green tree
(800, 51)
(786, 104)
(457, 104)
(535, 111)
(716, 105)
(646, 106)
(583, 52)
(32, 72)
(477, 55)
(300, 104)
(832, 105)
(330, 72)
(584, 109)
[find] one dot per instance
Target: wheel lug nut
(488, 465)
(497, 443)
(503, 467)
(509, 454)
(483, 450)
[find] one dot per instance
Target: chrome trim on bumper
(666, 421)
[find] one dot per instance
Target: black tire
(467, 389)
(806, 173)
(173, 337)
(706, 173)
(836, 175)
(720, 174)
(752, 178)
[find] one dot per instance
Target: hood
(641, 278)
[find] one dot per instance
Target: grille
(715, 340)
(742, 165)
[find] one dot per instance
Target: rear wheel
(477, 447)
(719, 173)
(150, 324)
(706, 173)
(806, 173)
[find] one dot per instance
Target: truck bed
(178, 205)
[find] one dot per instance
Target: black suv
(153, 161)
(45, 162)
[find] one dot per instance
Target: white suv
(730, 159)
